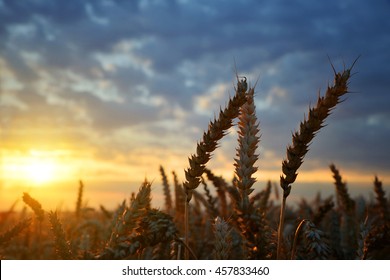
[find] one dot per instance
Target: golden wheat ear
(302, 138)
(246, 157)
(35, 206)
(79, 199)
(61, 244)
(216, 130)
(167, 191)
(14, 231)
(223, 239)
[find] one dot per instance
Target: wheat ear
(79, 199)
(246, 156)
(14, 231)
(207, 145)
(179, 203)
(302, 138)
(348, 219)
(323, 210)
(128, 221)
(343, 197)
(35, 206)
(62, 245)
(381, 200)
(167, 191)
(223, 239)
(316, 247)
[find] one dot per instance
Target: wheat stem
(215, 132)
(302, 138)
(296, 235)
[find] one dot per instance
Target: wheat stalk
(316, 246)
(343, 197)
(323, 210)
(35, 206)
(381, 199)
(296, 237)
(246, 156)
(79, 199)
(208, 144)
(127, 222)
(167, 191)
(62, 245)
(179, 202)
(302, 138)
(348, 219)
(223, 240)
(14, 231)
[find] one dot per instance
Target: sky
(107, 91)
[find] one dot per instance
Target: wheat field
(209, 217)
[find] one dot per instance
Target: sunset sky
(107, 91)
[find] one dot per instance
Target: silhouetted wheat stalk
(61, 244)
(302, 139)
(215, 132)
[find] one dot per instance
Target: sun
(36, 168)
(39, 171)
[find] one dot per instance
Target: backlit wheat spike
(179, 203)
(309, 127)
(349, 226)
(316, 246)
(381, 200)
(323, 210)
(364, 230)
(153, 228)
(223, 239)
(207, 145)
(312, 242)
(209, 142)
(263, 204)
(167, 191)
(301, 139)
(246, 156)
(79, 199)
(344, 200)
(128, 220)
(35, 206)
(61, 244)
(14, 231)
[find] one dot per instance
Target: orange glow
(39, 171)
(35, 168)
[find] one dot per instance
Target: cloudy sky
(106, 91)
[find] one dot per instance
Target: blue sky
(127, 85)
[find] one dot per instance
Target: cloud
(106, 70)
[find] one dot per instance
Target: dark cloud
(142, 60)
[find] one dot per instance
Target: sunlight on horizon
(34, 168)
(52, 176)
